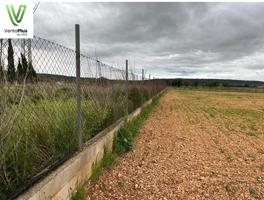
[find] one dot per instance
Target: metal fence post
(1, 66)
(1, 52)
(23, 46)
(78, 85)
(29, 51)
(142, 83)
(127, 87)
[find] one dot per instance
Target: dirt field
(196, 145)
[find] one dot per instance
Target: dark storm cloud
(218, 40)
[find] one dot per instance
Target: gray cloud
(200, 40)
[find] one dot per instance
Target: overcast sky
(194, 40)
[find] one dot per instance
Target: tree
(31, 72)
(2, 75)
(28, 70)
(1, 66)
(11, 70)
(195, 83)
(24, 71)
(212, 83)
(1, 72)
(20, 73)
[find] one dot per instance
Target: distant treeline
(101, 80)
(180, 82)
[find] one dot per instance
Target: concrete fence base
(62, 182)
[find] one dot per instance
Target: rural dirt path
(183, 151)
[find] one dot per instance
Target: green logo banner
(16, 17)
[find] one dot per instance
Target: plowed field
(195, 145)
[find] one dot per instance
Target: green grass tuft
(107, 160)
(262, 167)
(230, 189)
(123, 141)
(79, 194)
(252, 133)
(96, 171)
(253, 192)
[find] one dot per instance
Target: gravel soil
(195, 145)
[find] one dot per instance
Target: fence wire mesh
(38, 106)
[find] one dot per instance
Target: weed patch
(121, 184)
(107, 160)
(253, 192)
(79, 194)
(123, 141)
(230, 189)
(96, 171)
(262, 167)
(252, 133)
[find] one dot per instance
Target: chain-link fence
(38, 106)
